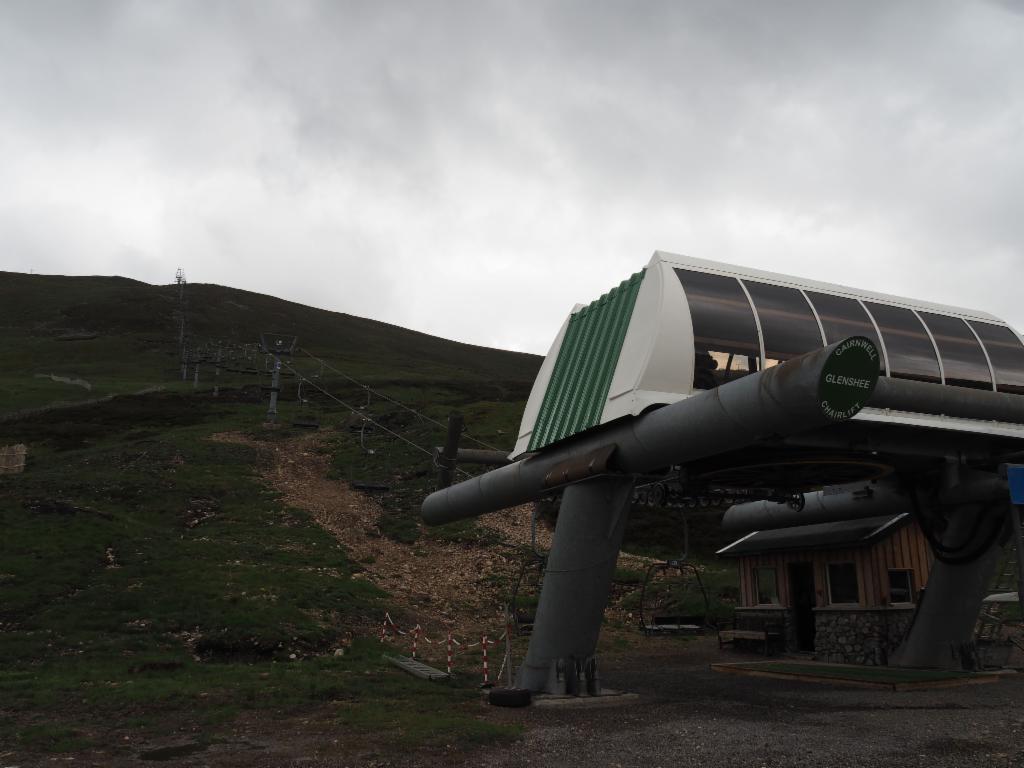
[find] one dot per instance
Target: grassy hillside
(153, 583)
(118, 336)
(153, 589)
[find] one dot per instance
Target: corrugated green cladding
(586, 362)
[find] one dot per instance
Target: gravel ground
(687, 715)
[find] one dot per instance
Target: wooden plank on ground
(416, 668)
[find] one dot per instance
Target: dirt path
(441, 585)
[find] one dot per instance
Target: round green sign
(848, 378)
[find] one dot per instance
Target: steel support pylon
(942, 633)
(577, 582)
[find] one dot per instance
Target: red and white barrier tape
(417, 633)
(451, 641)
(388, 622)
(485, 642)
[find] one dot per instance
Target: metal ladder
(989, 629)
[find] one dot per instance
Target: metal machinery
(801, 400)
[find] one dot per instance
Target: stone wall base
(859, 636)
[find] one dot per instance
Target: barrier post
(487, 681)
(449, 653)
(507, 661)
(415, 639)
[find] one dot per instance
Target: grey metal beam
(476, 456)
(947, 400)
(851, 502)
(483, 457)
(783, 400)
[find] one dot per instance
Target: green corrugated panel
(586, 361)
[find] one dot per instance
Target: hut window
(1006, 353)
(842, 318)
(901, 588)
(963, 360)
(767, 589)
(842, 583)
(725, 343)
(911, 353)
(787, 323)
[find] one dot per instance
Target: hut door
(802, 600)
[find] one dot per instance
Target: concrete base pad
(606, 697)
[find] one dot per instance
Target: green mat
(851, 672)
(856, 675)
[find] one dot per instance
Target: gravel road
(687, 715)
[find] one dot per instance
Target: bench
(765, 635)
(670, 625)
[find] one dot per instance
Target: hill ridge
(122, 335)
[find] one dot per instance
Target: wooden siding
(905, 549)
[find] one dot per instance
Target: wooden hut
(845, 591)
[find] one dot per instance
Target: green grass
(671, 593)
(50, 738)
(138, 505)
(149, 577)
(365, 696)
(628, 577)
(409, 473)
(417, 712)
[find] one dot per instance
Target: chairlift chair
(362, 438)
(666, 618)
(530, 578)
(307, 418)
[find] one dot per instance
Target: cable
(392, 400)
(363, 415)
(356, 411)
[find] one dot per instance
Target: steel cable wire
(363, 415)
(392, 400)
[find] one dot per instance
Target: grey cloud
(515, 157)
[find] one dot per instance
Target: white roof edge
(883, 526)
(734, 270)
(727, 547)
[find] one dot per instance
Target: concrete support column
(577, 581)
(942, 633)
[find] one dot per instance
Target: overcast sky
(473, 169)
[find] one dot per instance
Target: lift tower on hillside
(182, 318)
(276, 345)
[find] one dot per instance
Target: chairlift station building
(683, 325)
(794, 395)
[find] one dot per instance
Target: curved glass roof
(742, 325)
